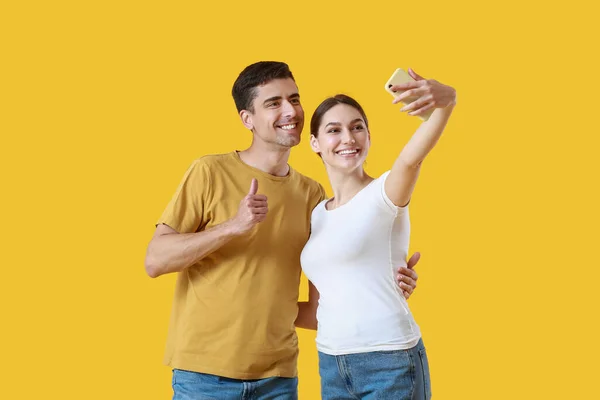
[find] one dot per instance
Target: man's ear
(246, 117)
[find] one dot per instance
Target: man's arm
(170, 251)
(307, 310)
(407, 277)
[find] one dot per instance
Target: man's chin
(289, 141)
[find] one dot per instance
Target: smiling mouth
(288, 126)
(347, 152)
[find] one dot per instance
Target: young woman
(369, 344)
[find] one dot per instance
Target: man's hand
(252, 210)
(407, 277)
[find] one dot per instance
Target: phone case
(398, 77)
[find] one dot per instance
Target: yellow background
(104, 104)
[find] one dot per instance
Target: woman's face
(343, 138)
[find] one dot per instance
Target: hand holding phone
(399, 77)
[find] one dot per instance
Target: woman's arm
(401, 181)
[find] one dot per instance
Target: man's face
(278, 117)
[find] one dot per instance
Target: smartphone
(401, 76)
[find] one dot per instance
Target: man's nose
(289, 110)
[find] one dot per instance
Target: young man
(233, 232)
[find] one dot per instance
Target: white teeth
(287, 127)
(342, 152)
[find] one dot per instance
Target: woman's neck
(346, 185)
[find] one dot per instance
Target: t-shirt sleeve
(322, 194)
(317, 196)
(185, 211)
(382, 198)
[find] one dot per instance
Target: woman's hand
(430, 93)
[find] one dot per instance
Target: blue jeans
(381, 375)
(189, 385)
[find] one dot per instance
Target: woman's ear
(314, 144)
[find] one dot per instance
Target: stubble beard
(287, 141)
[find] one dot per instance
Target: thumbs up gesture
(252, 210)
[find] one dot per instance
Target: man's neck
(272, 161)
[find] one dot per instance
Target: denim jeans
(381, 375)
(189, 385)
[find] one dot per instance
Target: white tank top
(352, 257)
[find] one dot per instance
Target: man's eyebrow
(272, 99)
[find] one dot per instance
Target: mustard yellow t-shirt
(233, 312)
